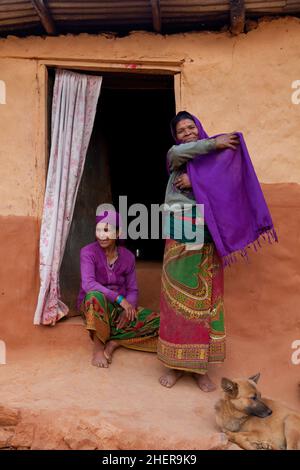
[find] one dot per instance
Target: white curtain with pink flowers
(74, 105)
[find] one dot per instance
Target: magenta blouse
(97, 275)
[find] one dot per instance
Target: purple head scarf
(235, 209)
(110, 217)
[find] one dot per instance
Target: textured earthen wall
(231, 83)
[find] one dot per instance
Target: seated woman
(108, 296)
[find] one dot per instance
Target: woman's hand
(227, 141)
(128, 315)
(183, 182)
(122, 320)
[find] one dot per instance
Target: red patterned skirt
(192, 332)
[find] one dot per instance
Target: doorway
(126, 156)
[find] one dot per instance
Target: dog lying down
(253, 422)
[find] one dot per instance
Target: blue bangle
(119, 299)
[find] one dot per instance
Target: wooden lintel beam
(156, 16)
(237, 16)
(45, 16)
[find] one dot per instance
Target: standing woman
(108, 297)
(192, 333)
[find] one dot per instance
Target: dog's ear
(255, 377)
(230, 387)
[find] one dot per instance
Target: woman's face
(106, 234)
(186, 131)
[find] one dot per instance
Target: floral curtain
(74, 105)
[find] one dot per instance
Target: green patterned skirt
(101, 316)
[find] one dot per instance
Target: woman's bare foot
(110, 347)
(99, 359)
(204, 383)
(170, 378)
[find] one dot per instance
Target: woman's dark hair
(179, 117)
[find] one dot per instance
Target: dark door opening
(136, 124)
(126, 156)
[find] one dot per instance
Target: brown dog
(253, 422)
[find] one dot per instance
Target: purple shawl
(235, 209)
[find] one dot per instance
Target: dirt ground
(66, 403)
